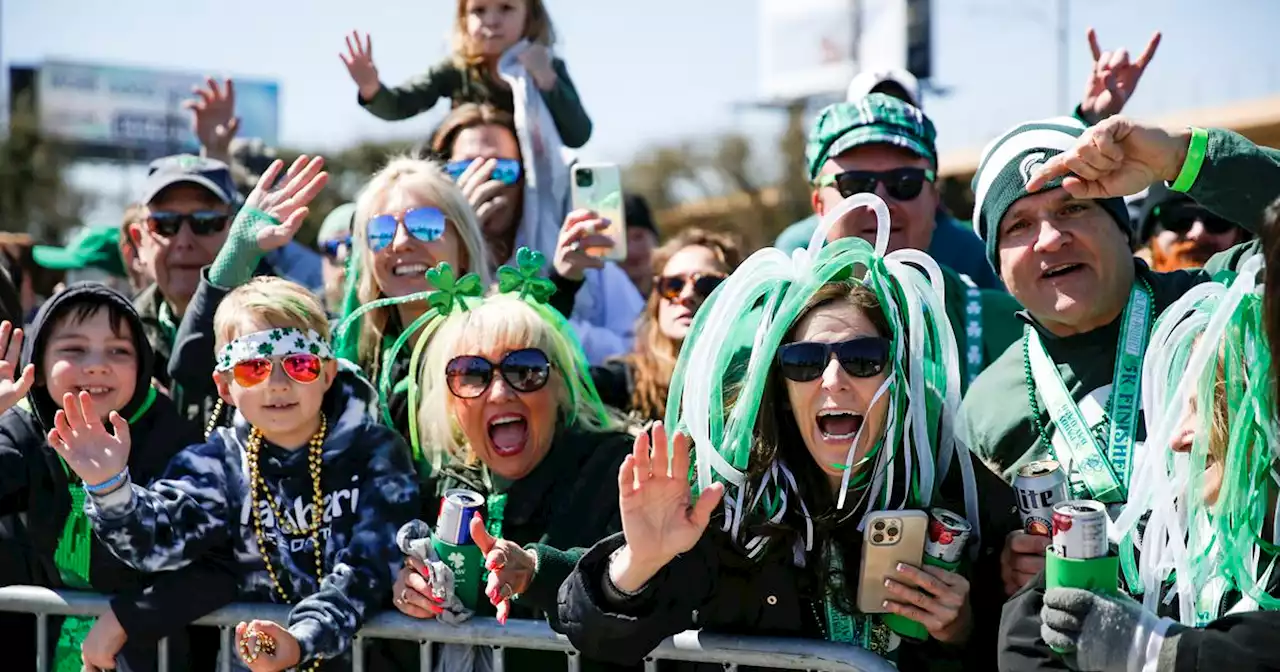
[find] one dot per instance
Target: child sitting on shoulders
(307, 483)
(483, 31)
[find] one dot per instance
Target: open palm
(654, 499)
(12, 390)
(85, 443)
(286, 199)
(359, 62)
(213, 116)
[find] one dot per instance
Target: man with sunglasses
(334, 241)
(884, 146)
(190, 201)
(1178, 233)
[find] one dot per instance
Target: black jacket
(716, 588)
(34, 481)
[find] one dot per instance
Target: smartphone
(891, 537)
(598, 187)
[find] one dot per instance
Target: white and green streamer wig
(732, 345)
(1211, 343)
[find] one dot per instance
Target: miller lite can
(948, 534)
(1080, 529)
(1039, 486)
(458, 505)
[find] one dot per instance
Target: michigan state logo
(1029, 164)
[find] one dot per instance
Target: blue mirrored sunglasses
(335, 248)
(507, 171)
(425, 224)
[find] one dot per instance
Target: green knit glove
(240, 255)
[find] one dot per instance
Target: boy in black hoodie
(88, 340)
(307, 484)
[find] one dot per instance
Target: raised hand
(579, 234)
(1118, 157)
(81, 439)
(412, 593)
(13, 390)
(659, 519)
(511, 568)
(214, 121)
(359, 62)
(266, 647)
(537, 62)
(1113, 79)
(493, 201)
(286, 201)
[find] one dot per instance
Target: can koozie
(1096, 575)
(467, 563)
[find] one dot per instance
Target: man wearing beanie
(885, 146)
(1048, 204)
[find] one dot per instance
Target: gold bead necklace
(256, 483)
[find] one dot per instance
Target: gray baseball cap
(213, 175)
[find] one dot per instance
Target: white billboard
(814, 47)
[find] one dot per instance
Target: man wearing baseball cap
(190, 201)
(884, 146)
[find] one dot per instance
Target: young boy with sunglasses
(307, 484)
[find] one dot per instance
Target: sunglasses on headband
(902, 184)
(203, 223)
(670, 287)
(469, 376)
(507, 171)
(861, 357)
(425, 224)
(301, 368)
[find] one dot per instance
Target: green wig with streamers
(1210, 347)
(725, 364)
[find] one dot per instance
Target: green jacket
(1237, 180)
(447, 80)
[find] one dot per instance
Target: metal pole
(1064, 61)
(42, 642)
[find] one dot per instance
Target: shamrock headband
(272, 343)
(748, 317)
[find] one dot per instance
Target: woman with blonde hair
(686, 270)
(509, 411)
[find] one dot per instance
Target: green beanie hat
(1008, 163)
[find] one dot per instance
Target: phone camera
(893, 531)
(584, 178)
(879, 526)
(877, 538)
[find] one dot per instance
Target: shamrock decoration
(266, 349)
(525, 278)
(449, 291)
(276, 334)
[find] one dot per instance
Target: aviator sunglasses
(337, 248)
(203, 223)
(469, 376)
(507, 171)
(860, 357)
(903, 184)
(301, 368)
(670, 287)
(424, 223)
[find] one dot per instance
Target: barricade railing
(728, 651)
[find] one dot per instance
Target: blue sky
(651, 71)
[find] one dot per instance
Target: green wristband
(1196, 152)
(239, 256)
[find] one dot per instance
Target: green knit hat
(1008, 163)
(877, 119)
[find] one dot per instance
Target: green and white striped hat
(1008, 163)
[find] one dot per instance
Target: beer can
(948, 534)
(1039, 486)
(1080, 529)
(457, 507)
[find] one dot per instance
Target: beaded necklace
(257, 483)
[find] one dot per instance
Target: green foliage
(35, 197)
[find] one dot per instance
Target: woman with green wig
(814, 391)
(508, 411)
(1202, 509)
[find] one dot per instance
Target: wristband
(107, 485)
(1196, 151)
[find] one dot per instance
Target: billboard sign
(137, 113)
(814, 47)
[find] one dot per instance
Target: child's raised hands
(359, 62)
(286, 199)
(84, 442)
(13, 389)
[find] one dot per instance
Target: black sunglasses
(524, 370)
(336, 249)
(860, 357)
(203, 223)
(670, 287)
(1181, 220)
(903, 184)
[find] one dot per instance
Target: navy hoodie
(369, 487)
(34, 481)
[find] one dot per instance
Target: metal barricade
(728, 651)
